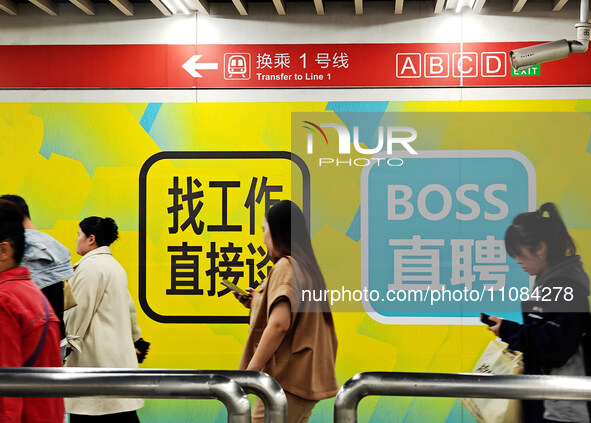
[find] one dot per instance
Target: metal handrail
(59, 382)
(257, 383)
(457, 386)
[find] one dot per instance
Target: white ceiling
(175, 7)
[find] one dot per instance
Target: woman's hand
(245, 301)
(496, 328)
(276, 329)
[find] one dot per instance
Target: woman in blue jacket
(554, 336)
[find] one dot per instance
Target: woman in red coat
(29, 329)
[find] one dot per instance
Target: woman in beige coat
(102, 328)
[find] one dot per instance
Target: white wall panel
(418, 24)
(109, 26)
(339, 24)
(535, 23)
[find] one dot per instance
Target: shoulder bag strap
(33, 358)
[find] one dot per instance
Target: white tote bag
(496, 359)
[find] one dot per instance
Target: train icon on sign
(237, 66)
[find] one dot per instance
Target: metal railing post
(257, 383)
(456, 386)
(265, 387)
(17, 382)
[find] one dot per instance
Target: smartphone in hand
(485, 318)
(235, 288)
(143, 347)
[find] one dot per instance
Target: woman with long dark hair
(554, 336)
(291, 336)
(102, 328)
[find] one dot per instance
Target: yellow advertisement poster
(189, 186)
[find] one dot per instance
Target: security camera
(527, 57)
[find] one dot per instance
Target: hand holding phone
(235, 288)
(142, 347)
(485, 318)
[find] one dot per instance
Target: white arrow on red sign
(192, 66)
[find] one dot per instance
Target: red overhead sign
(279, 66)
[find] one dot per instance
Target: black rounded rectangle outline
(143, 219)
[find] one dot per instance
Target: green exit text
(533, 71)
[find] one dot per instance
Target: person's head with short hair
(12, 235)
(95, 232)
(19, 201)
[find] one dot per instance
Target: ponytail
(560, 244)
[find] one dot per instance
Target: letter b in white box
(436, 65)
